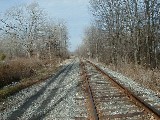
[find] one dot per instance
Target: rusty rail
(147, 107)
(92, 108)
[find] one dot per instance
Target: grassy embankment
(18, 74)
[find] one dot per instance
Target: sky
(74, 12)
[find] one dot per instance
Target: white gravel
(53, 99)
(12, 103)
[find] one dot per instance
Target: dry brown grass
(18, 69)
(26, 72)
(15, 70)
(146, 77)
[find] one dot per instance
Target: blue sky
(74, 12)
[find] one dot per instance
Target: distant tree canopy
(27, 31)
(124, 31)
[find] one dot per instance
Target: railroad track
(90, 95)
(107, 99)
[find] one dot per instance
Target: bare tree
(29, 32)
(125, 31)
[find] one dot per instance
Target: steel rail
(92, 106)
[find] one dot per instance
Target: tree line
(27, 31)
(125, 31)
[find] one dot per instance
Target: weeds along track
(107, 99)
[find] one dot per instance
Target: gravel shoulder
(52, 99)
